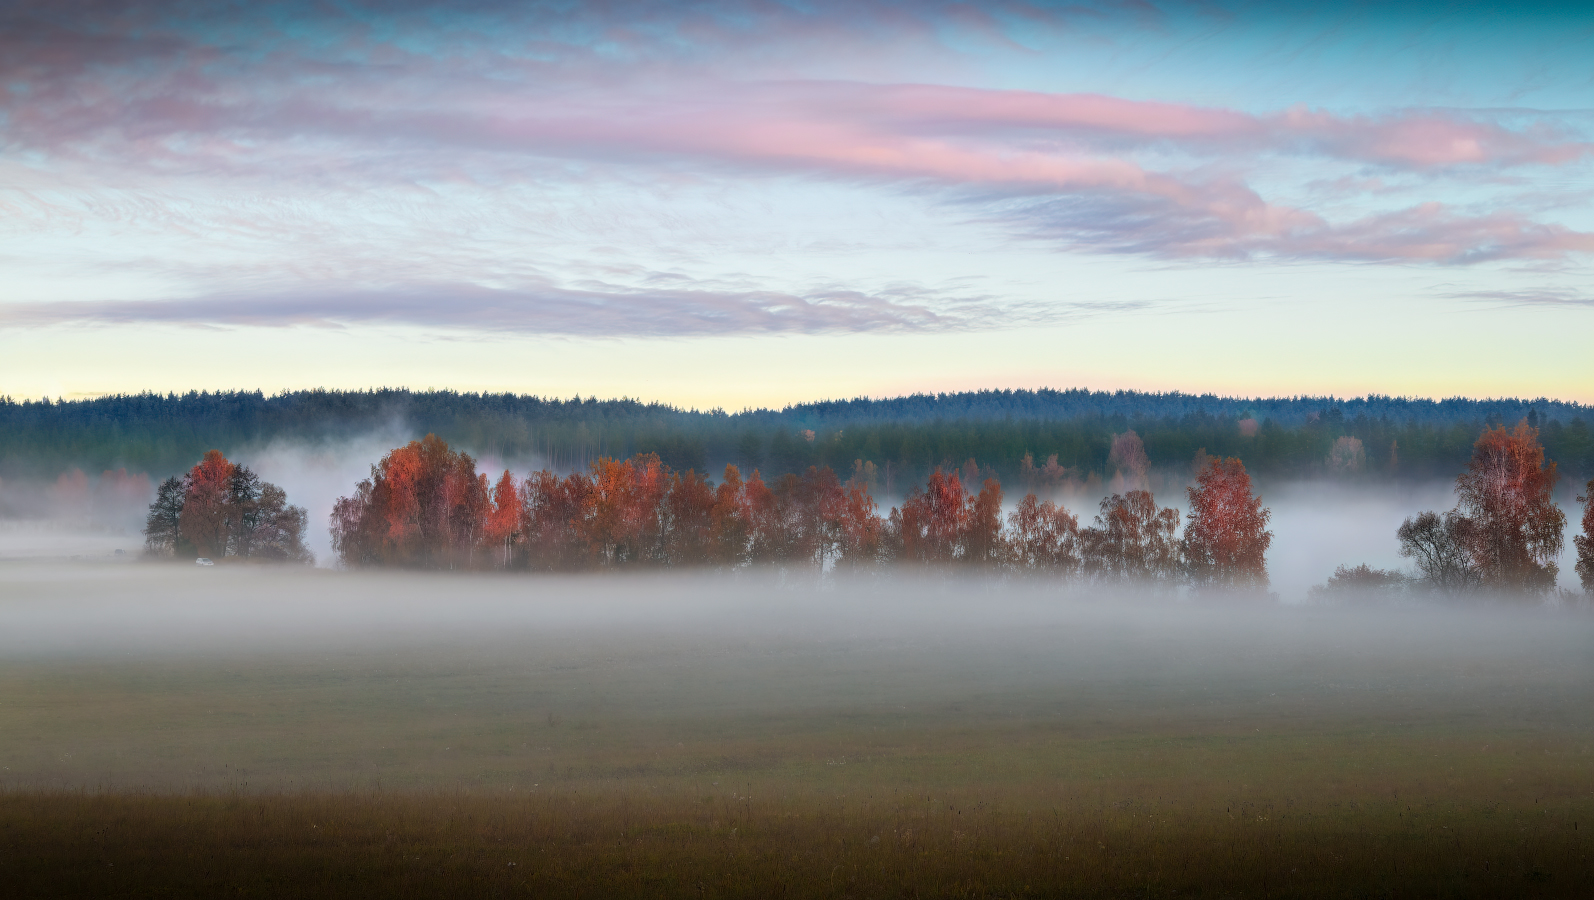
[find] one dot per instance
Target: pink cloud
(1075, 164)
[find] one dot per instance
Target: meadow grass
(1153, 753)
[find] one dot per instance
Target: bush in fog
(1440, 545)
(221, 509)
(1362, 583)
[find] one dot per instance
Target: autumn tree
(862, 531)
(1226, 537)
(1585, 541)
(797, 520)
(821, 509)
(770, 539)
(554, 517)
(206, 513)
(731, 520)
(625, 526)
(984, 544)
(1043, 537)
(934, 519)
(220, 509)
(1347, 456)
(945, 523)
(503, 521)
(1132, 540)
(689, 520)
(1440, 546)
(162, 527)
(1128, 459)
(424, 505)
(1506, 493)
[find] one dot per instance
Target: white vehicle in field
(203, 561)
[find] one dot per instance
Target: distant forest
(1021, 437)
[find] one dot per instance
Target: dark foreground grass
(958, 844)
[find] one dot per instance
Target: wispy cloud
(1539, 296)
(596, 311)
(1249, 228)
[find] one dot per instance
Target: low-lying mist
(174, 610)
(174, 676)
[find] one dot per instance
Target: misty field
(255, 732)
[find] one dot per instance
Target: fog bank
(173, 610)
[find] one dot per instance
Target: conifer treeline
(906, 438)
(425, 505)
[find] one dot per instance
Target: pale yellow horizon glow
(1414, 350)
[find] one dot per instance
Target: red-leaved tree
(1506, 494)
(1585, 541)
(1226, 538)
(1132, 540)
(1043, 537)
(424, 505)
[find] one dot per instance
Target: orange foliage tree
(220, 509)
(1506, 494)
(553, 521)
(204, 521)
(424, 505)
(731, 521)
(1132, 540)
(861, 529)
(1585, 541)
(503, 521)
(1226, 540)
(932, 521)
(945, 523)
(1043, 537)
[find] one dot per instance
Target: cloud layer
(293, 101)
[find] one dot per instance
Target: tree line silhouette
(1028, 438)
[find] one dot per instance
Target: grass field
(258, 733)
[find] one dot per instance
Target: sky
(751, 204)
